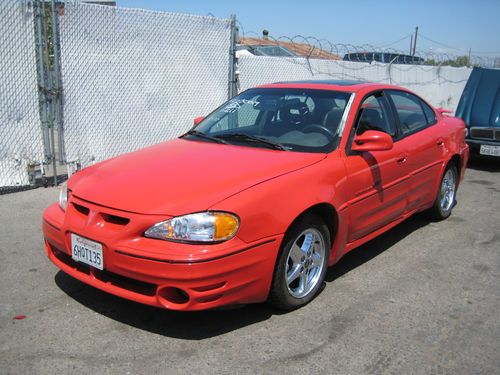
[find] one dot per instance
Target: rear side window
(412, 117)
(429, 113)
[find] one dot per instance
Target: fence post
(232, 81)
(49, 80)
(389, 71)
(57, 88)
(41, 73)
(46, 84)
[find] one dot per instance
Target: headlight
(200, 227)
(63, 197)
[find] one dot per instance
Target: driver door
(378, 180)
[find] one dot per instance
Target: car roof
(338, 85)
(337, 82)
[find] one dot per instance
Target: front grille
(81, 209)
(122, 282)
(113, 219)
(483, 133)
(118, 220)
(126, 283)
(67, 260)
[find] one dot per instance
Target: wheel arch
(457, 161)
(326, 212)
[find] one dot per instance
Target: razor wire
(133, 78)
(441, 84)
(21, 145)
(368, 53)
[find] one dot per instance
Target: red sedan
(259, 198)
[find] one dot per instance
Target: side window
(429, 113)
(409, 110)
(374, 116)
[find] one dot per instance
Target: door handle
(440, 142)
(402, 158)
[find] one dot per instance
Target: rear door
(424, 142)
(378, 180)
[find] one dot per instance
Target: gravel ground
(424, 298)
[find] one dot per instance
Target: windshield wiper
(241, 137)
(199, 134)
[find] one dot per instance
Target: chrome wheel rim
(305, 263)
(447, 191)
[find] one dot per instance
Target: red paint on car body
(368, 193)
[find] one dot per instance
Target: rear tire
(445, 200)
(301, 265)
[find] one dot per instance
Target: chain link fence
(21, 144)
(80, 83)
(438, 77)
(441, 86)
(133, 77)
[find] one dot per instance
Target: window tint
(374, 116)
(429, 113)
(303, 120)
(409, 110)
(247, 116)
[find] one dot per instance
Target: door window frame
(390, 113)
(420, 102)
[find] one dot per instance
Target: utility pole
(468, 60)
(415, 41)
(411, 44)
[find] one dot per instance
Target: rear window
(410, 112)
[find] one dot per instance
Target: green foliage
(457, 62)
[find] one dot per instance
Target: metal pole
(57, 82)
(411, 45)
(41, 78)
(415, 41)
(49, 92)
(232, 58)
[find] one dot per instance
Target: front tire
(301, 265)
(445, 200)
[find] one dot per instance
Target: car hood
(182, 176)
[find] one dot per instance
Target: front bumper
(475, 144)
(155, 272)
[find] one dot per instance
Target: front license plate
(86, 251)
(489, 150)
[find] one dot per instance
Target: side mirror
(197, 120)
(372, 140)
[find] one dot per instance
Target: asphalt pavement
(424, 298)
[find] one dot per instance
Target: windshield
(304, 120)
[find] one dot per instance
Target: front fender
(269, 208)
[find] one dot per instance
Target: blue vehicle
(479, 107)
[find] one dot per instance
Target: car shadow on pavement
(206, 324)
(484, 163)
(378, 245)
(196, 325)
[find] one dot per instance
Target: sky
(445, 26)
